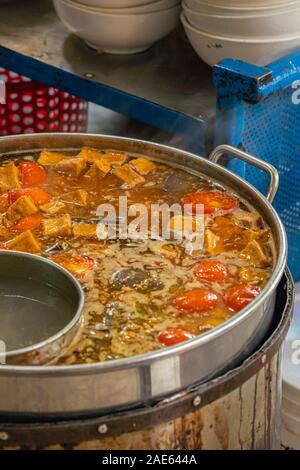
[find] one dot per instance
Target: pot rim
(204, 338)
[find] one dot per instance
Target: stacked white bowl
(256, 31)
(119, 26)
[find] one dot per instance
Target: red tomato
(172, 336)
(239, 296)
(30, 222)
(78, 265)
(197, 300)
(32, 174)
(210, 200)
(212, 271)
(14, 195)
(39, 196)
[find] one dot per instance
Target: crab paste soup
(142, 293)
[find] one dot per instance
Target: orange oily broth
(125, 321)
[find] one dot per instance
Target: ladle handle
(228, 150)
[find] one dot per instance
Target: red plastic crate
(32, 107)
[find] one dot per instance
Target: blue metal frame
(103, 95)
(256, 112)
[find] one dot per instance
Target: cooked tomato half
(30, 222)
(39, 196)
(197, 300)
(239, 296)
(212, 271)
(32, 174)
(172, 336)
(78, 265)
(209, 202)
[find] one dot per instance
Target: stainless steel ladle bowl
(40, 308)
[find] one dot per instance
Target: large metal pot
(238, 410)
(89, 389)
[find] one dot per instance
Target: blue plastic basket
(259, 111)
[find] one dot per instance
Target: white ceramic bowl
(117, 33)
(212, 48)
(150, 7)
(251, 26)
(245, 3)
(203, 6)
(114, 3)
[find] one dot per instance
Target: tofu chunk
(254, 254)
(4, 232)
(126, 174)
(58, 227)
(211, 242)
(142, 166)
(78, 197)
(71, 166)
(84, 230)
(180, 223)
(20, 208)
(90, 155)
(114, 158)
(253, 276)
(261, 236)
(24, 242)
(53, 207)
(248, 219)
(98, 170)
(9, 178)
(47, 158)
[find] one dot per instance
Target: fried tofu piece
(253, 276)
(71, 166)
(47, 158)
(9, 177)
(211, 242)
(24, 242)
(58, 226)
(248, 219)
(181, 224)
(53, 207)
(79, 197)
(143, 166)
(4, 232)
(90, 155)
(254, 254)
(20, 208)
(261, 236)
(114, 158)
(130, 177)
(99, 169)
(84, 230)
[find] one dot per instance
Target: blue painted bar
(132, 106)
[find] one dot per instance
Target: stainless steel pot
(87, 389)
(239, 410)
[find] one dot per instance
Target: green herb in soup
(142, 293)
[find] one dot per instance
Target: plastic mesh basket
(272, 132)
(33, 107)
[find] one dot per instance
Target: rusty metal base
(239, 410)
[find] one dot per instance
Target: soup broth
(142, 293)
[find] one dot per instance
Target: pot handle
(225, 150)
